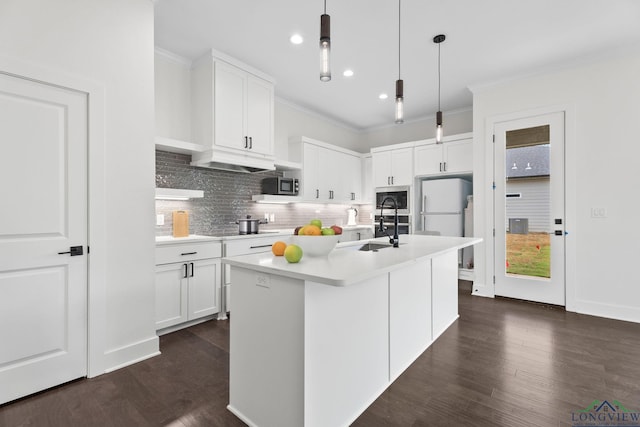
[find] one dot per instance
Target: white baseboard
(610, 311)
(132, 353)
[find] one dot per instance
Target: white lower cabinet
(187, 282)
(243, 246)
(350, 235)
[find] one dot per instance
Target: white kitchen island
(315, 343)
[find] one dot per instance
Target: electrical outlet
(272, 217)
(160, 219)
(598, 212)
(263, 280)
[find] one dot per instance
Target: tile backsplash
(227, 197)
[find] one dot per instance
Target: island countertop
(346, 264)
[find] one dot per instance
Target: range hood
(222, 160)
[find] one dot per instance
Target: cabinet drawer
(180, 252)
(251, 245)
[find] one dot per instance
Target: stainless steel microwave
(280, 185)
(399, 193)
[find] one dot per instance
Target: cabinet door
(310, 172)
(351, 171)
(229, 93)
(259, 119)
(381, 165)
(428, 159)
(402, 166)
(204, 288)
(367, 179)
(330, 174)
(458, 156)
(444, 292)
(171, 294)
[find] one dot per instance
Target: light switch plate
(597, 212)
(160, 219)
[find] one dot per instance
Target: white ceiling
(487, 41)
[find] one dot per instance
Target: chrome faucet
(395, 241)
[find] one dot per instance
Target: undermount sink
(371, 246)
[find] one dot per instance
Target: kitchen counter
(169, 240)
(347, 265)
(325, 337)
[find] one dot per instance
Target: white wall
(454, 123)
(602, 101)
(109, 42)
(291, 121)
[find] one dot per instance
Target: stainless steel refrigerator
(442, 207)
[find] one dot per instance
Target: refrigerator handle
(424, 210)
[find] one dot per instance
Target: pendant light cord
(325, 7)
(438, 76)
(399, 1)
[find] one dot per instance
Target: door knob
(73, 251)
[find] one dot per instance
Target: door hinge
(494, 138)
(494, 232)
(494, 280)
(493, 186)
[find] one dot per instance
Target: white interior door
(529, 209)
(43, 182)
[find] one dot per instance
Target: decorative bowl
(315, 245)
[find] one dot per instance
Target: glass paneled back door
(529, 209)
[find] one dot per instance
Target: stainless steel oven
(404, 223)
(402, 197)
(401, 194)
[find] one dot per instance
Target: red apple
(337, 229)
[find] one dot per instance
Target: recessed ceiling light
(383, 96)
(296, 39)
(348, 73)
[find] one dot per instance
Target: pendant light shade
(399, 82)
(325, 45)
(399, 101)
(439, 133)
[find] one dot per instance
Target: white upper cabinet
(233, 107)
(392, 166)
(330, 174)
(172, 96)
(453, 156)
(243, 112)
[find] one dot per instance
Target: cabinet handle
(392, 180)
(250, 143)
(188, 253)
(259, 246)
(388, 180)
(440, 166)
(192, 269)
(330, 194)
(246, 142)
(186, 273)
(317, 193)
(353, 196)
(445, 166)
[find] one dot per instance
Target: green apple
(293, 253)
(328, 231)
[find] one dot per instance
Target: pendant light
(325, 45)
(399, 82)
(439, 39)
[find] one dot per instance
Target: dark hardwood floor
(503, 363)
